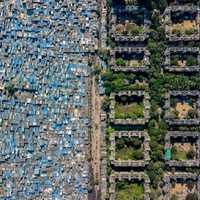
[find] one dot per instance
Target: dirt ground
(185, 146)
(182, 63)
(186, 25)
(181, 191)
(128, 26)
(96, 134)
(182, 109)
(134, 63)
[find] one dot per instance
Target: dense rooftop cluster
(44, 49)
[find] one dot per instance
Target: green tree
(160, 4)
(96, 69)
(118, 85)
(10, 89)
(120, 62)
(174, 197)
(174, 152)
(145, 3)
(176, 32)
(191, 154)
(192, 196)
(192, 113)
(173, 102)
(135, 32)
(190, 184)
(120, 143)
(138, 154)
(190, 31)
(108, 76)
(125, 32)
(191, 60)
(174, 60)
(174, 114)
(155, 19)
(153, 195)
(136, 142)
(105, 103)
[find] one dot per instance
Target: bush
(135, 32)
(192, 196)
(190, 184)
(174, 197)
(136, 142)
(105, 103)
(191, 154)
(191, 60)
(124, 32)
(174, 60)
(96, 69)
(10, 89)
(190, 31)
(173, 102)
(138, 154)
(174, 114)
(192, 113)
(120, 62)
(176, 32)
(120, 143)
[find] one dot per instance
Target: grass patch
(132, 110)
(178, 155)
(124, 154)
(129, 190)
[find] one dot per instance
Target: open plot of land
(186, 146)
(129, 190)
(181, 191)
(182, 63)
(183, 109)
(184, 26)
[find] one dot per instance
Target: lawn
(132, 110)
(129, 191)
(124, 154)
